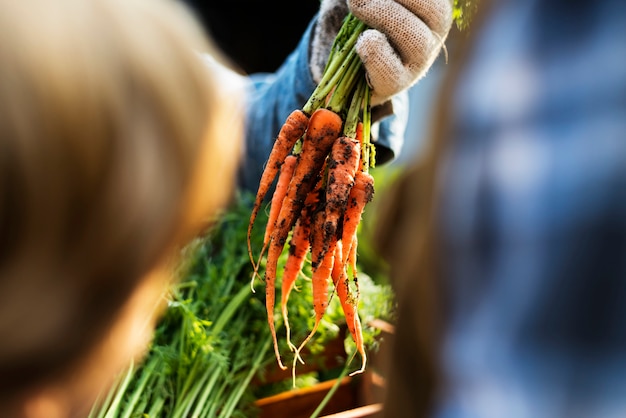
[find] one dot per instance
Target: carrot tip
(278, 359)
(254, 274)
(361, 370)
(360, 350)
(276, 352)
(363, 363)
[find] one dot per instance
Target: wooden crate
(358, 396)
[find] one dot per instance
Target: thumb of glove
(329, 20)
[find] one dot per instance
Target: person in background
(121, 133)
(113, 153)
(513, 285)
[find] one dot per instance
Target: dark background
(256, 34)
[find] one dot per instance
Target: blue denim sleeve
(271, 97)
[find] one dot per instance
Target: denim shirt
(534, 216)
(271, 97)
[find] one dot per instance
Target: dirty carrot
(360, 195)
(321, 273)
(291, 131)
(323, 128)
(343, 165)
(270, 294)
(286, 171)
(298, 249)
(349, 306)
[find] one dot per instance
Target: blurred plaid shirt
(534, 216)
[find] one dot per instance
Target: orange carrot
(323, 128)
(270, 294)
(298, 248)
(286, 171)
(291, 131)
(349, 306)
(360, 195)
(321, 273)
(343, 165)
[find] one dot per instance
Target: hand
(404, 40)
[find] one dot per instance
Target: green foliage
(214, 338)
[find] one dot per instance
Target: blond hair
(105, 108)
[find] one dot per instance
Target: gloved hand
(404, 40)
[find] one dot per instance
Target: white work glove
(405, 38)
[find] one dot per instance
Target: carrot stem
(339, 60)
(368, 150)
(352, 117)
(346, 85)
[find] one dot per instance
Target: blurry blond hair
(110, 125)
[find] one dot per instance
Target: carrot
(290, 132)
(286, 171)
(270, 295)
(360, 195)
(323, 128)
(321, 273)
(321, 267)
(298, 248)
(349, 306)
(343, 165)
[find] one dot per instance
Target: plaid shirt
(534, 216)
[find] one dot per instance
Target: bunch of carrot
(320, 162)
(212, 349)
